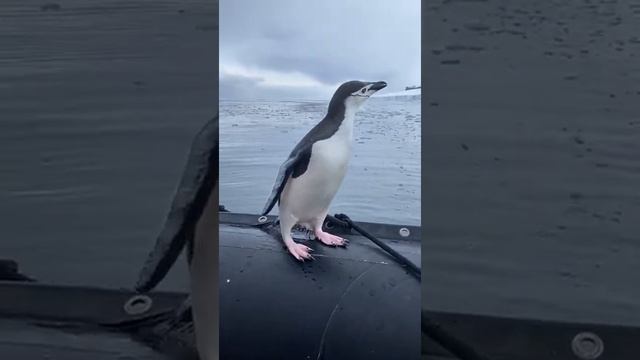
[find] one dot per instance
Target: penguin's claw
(331, 240)
(300, 252)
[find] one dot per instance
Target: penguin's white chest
(309, 195)
(328, 162)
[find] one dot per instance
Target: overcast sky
(296, 49)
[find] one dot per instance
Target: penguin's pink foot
(329, 239)
(300, 251)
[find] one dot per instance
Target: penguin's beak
(378, 85)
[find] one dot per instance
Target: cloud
(298, 48)
(239, 82)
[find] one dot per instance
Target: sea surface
(99, 103)
(532, 159)
(383, 180)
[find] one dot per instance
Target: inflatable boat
(349, 303)
(358, 302)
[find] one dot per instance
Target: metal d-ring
(138, 304)
(587, 346)
(262, 219)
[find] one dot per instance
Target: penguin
(192, 222)
(312, 174)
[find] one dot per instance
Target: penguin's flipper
(294, 166)
(198, 180)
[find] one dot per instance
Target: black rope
(430, 328)
(450, 343)
(415, 270)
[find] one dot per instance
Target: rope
(430, 328)
(455, 346)
(415, 270)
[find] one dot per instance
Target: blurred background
(99, 104)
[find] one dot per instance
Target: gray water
(532, 159)
(99, 103)
(383, 180)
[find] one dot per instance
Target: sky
(302, 50)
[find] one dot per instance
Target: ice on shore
(413, 93)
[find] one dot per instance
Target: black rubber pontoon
(352, 303)
(348, 303)
(66, 326)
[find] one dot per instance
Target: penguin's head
(352, 94)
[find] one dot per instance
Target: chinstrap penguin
(193, 223)
(310, 177)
